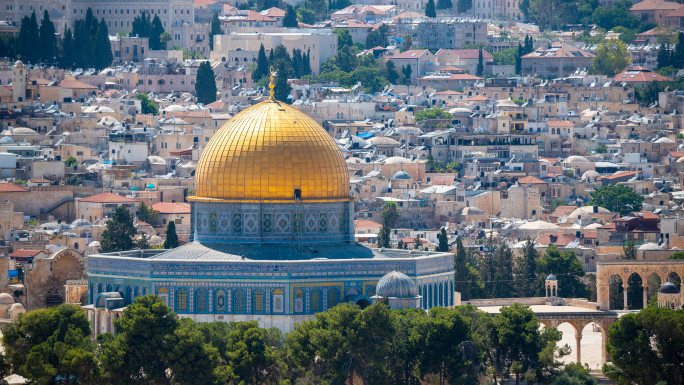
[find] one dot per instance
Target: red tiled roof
(273, 12)
(558, 50)
(561, 211)
(172, 208)
(590, 234)
(628, 173)
(472, 54)
(561, 239)
(678, 13)
(22, 253)
(676, 154)
(180, 152)
(77, 84)
(108, 198)
(530, 179)
(11, 187)
(411, 54)
(651, 5)
(366, 224)
(639, 75)
(478, 98)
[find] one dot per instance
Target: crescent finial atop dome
(272, 85)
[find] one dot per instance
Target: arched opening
(568, 338)
(333, 298)
(363, 303)
(592, 345)
(635, 297)
(616, 296)
(429, 297)
(653, 283)
(675, 278)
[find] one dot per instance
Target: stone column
(578, 340)
(624, 294)
(604, 340)
(602, 296)
(645, 288)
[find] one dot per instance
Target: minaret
(19, 82)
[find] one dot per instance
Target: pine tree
(282, 88)
(480, 64)
(503, 276)
(48, 40)
(262, 65)
(205, 84)
(417, 244)
(214, 30)
(29, 39)
(155, 33)
(525, 278)
(392, 74)
(430, 9)
(663, 56)
(103, 49)
(384, 236)
(290, 19)
(66, 52)
(406, 71)
(443, 241)
(444, 4)
(171, 241)
(119, 233)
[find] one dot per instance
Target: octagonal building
(273, 234)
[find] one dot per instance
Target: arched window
(201, 300)
(299, 301)
(239, 301)
(333, 298)
(429, 296)
(220, 301)
(163, 293)
(258, 301)
(315, 301)
(182, 300)
(277, 301)
(441, 295)
(422, 298)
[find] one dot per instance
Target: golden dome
(268, 151)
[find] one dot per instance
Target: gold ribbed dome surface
(268, 151)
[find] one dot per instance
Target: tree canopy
(617, 198)
(611, 58)
(171, 240)
(119, 232)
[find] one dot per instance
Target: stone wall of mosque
(273, 222)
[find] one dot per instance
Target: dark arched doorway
(363, 303)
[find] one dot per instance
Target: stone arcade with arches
(46, 278)
(663, 270)
(272, 235)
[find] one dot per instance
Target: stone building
(46, 278)
(559, 60)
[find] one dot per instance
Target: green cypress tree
(443, 241)
(205, 84)
(290, 19)
(282, 88)
(155, 32)
(430, 9)
(392, 74)
(480, 64)
(171, 241)
(83, 45)
(663, 56)
(66, 52)
(48, 40)
(215, 30)
(29, 39)
(518, 59)
(307, 63)
(262, 65)
(444, 4)
(103, 49)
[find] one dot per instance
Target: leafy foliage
(147, 105)
(214, 29)
(647, 347)
(49, 343)
(119, 233)
(145, 26)
(147, 214)
(568, 270)
(611, 58)
(618, 198)
(443, 241)
(430, 10)
(432, 113)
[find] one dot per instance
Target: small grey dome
(402, 175)
(396, 285)
(669, 288)
(551, 277)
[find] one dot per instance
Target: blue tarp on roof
(366, 135)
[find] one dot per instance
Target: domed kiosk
(272, 233)
(399, 290)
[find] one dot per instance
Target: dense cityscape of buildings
(478, 125)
